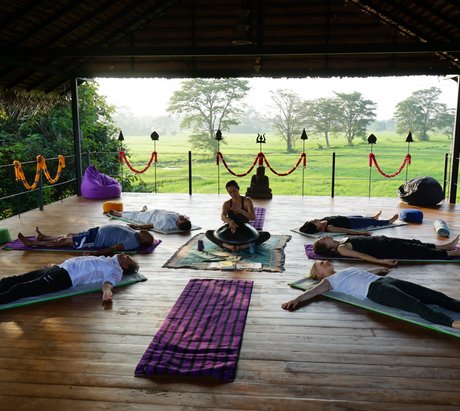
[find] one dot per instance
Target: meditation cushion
(96, 185)
(245, 234)
(441, 228)
(112, 205)
(411, 216)
(4, 235)
(421, 191)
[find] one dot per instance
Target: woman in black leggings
(387, 291)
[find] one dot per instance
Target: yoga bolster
(411, 216)
(112, 205)
(4, 235)
(441, 228)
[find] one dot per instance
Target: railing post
(446, 163)
(333, 175)
(190, 172)
(40, 191)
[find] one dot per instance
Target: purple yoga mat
(203, 332)
(17, 245)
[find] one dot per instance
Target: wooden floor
(72, 354)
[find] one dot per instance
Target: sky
(150, 96)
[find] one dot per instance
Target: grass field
(353, 176)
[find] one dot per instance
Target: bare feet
(377, 216)
(393, 219)
(144, 209)
(115, 213)
(40, 235)
(24, 240)
(449, 246)
(456, 324)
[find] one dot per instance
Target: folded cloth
(203, 332)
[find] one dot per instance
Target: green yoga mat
(82, 289)
(306, 283)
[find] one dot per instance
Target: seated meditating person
(345, 224)
(160, 219)
(107, 271)
(237, 234)
(387, 291)
(107, 239)
(378, 249)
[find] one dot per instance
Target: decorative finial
(372, 139)
(304, 135)
(409, 138)
(260, 138)
(154, 136)
(218, 135)
(120, 136)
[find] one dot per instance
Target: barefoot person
(387, 291)
(160, 219)
(106, 271)
(345, 224)
(237, 234)
(377, 249)
(107, 239)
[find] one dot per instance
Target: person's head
(321, 269)
(128, 265)
(310, 227)
(232, 188)
(183, 223)
(145, 238)
(325, 245)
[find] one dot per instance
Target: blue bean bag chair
(421, 191)
(96, 185)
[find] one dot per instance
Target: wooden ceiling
(44, 44)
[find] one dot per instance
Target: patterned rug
(268, 256)
(203, 332)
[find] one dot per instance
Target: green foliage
(208, 105)
(47, 130)
(323, 115)
(421, 113)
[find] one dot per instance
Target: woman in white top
(106, 271)
(383, 290)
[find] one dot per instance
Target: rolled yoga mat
(441, 228)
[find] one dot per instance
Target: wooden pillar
(76, 135)
(455, 150)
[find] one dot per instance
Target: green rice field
(353, 176)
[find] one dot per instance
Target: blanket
(370, 228)
(268, 256)
(313, 256)
(306, 283)
(203, 332)
(81, 289)
(17, 245)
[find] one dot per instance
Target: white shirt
(92, 269)
(161, 219)
(352, 281)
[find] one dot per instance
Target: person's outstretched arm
(382, 271)
(334, 229)
(107, 292)
(140, 226)
(348, 252)
(321, 288)
(107, 251)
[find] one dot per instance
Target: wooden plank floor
(72, 354)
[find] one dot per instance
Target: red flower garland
(372, 159)
(122, 157)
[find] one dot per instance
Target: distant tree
(419, 113)
(289, 120)
(322, 116)
(355, 114)
(208, 105)
(445, 123)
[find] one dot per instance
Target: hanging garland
(260, 159)
(372, 159)
(41, 165)
(122, 157)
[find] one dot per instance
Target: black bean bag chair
(421, 191)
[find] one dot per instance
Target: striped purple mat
(203, 332)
